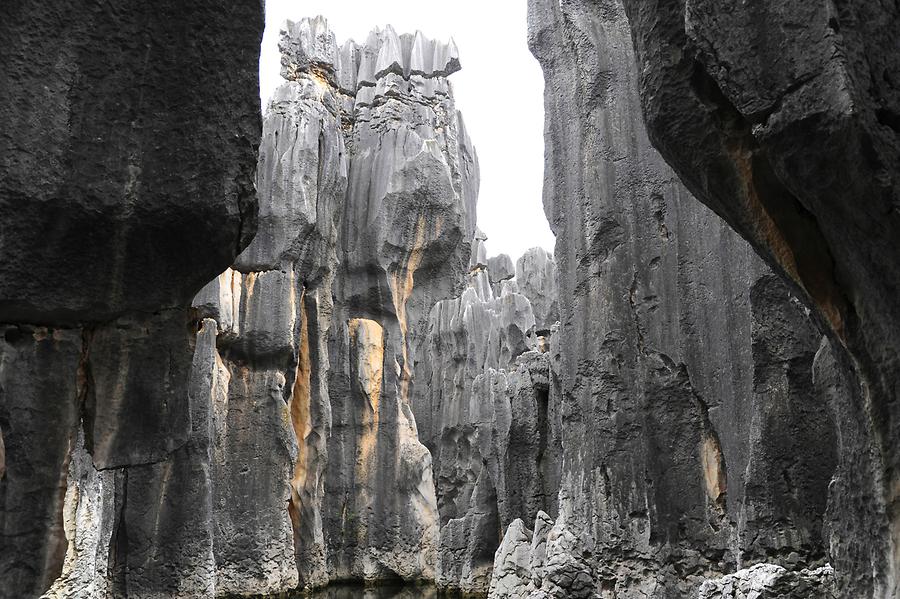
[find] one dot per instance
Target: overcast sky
(499, 91)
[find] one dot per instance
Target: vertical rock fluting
(302, 463)
(409, 214)
(482, 401)
(128, 143)
(385, 246)
(790, 113)
(675, 342)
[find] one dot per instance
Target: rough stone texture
(679, 353)
(305, 467)
(783, 118)
(311, 469)
(409, 213)
(145, 531)
(39, 397)
(536, 279)
(129, 143)
(500, 268)
(512, 574)
(768, 581)
(482, 401)
(351, 591)
(127, 150)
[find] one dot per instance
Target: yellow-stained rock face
(367, 344)
(402, 282)
(367, 339)
(300, 415)
(791, 242)
(713, 469)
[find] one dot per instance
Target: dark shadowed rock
(305, 466)
(40, 389)
(783, 118)
(128, 145)
(673, 350)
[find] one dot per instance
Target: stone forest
(250, 355)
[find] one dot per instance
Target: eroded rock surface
(764, 581)
(685, 367)
(483, 404)
(306, 462)
(789, 112)
(128, 147)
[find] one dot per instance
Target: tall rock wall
(128, 146)
(790, 113)
(303, 452)
(685, 368)
(409, 214)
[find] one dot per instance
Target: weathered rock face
(790, 113)
(765, 581)
(129, 141)
(536, 279)
(409, 214)
(301, 463)
(366, 181)
(482, 400)
(685, 368)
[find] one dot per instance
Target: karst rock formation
(128, 145)
(253, 357)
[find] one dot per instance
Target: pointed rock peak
(307, 46)
(368, 58)
(421, 55)
(348, 66)
(446, 59)
(390, 55)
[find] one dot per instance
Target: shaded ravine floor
(357, 591)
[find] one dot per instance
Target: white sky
(499, 91)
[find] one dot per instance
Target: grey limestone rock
(39, 413)
(765, 581)
(408, 218)
(536, 279)
(789, 114)
(685, 370)
(107, 186)
(482, 402)
(512, 563)
(501, 268)
(303, 367)
(128, 145)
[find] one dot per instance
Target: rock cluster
(359, 392)
(302, 463)
(768, 581)
(482, 401)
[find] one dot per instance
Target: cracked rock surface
(128, 143)
(299, 461)
(485, 410)
(791, 113)
(686, 368)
